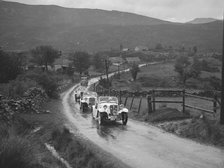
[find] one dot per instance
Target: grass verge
(77, 151)
(200, 129)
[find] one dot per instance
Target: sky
(171, 10)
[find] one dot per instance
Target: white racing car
(107, 109)
(87, 100)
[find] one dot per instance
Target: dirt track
(141, 145)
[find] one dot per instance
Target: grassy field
(158, 76)
(150, 76)
(190, 101)
(160, 70)
(161, 75)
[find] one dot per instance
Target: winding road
(140, 145)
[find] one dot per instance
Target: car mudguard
(124, 110)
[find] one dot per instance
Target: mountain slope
(55, 15)
(26, 26)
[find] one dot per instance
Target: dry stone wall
(29, 103)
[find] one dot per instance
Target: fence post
(139, 106)
(215, 104)
(132, 101)
(125, 102)
(120, 96)
(109, 92)
(153, 101)
(183, 101)
(149, 102)
(95, 86)
(104, 92)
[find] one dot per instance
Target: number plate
(112, 118)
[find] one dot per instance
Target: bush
(16, 88)
(47, 80)
(134, 71)
(103, 82)
(49, 84)
(17, 152)
(10, 66)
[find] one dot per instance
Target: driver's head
(105, 107)
(121, 106)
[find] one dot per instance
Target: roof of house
(132, 59)
(62, 62)
(141, 48)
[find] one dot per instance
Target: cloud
(173, 10)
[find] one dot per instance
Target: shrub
(49, 84)
(10, 66)
(103, 82)
(134, 71)
(17, 152)
(47, 80)
(16, 88)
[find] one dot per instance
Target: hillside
(54, 15)
(202, 20)
(26, 26)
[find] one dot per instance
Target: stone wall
(29, 103)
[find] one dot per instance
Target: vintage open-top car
(87, 100)
(79, 93)
(84, 81)
(108, 109)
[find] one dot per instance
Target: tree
(44, 55)
(159, 46)
(98, 62)
(186, 69)
(196, 67)
(134, 71)
(10, 66)
(81, 61)
(182, 67)
(215, 82)
(195, 50)
(121, 47)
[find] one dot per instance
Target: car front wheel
(100, 119)
(82, 107)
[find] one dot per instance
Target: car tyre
(100, 119)
(124, 118)
(82, 107)
(76, 98)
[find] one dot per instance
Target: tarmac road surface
(140, 145)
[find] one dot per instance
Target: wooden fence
(152, 95)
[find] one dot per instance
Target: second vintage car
(107, 108)
(87, 100)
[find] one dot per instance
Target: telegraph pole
(222, 94)
(106, 69)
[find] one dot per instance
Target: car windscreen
(108, 99)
